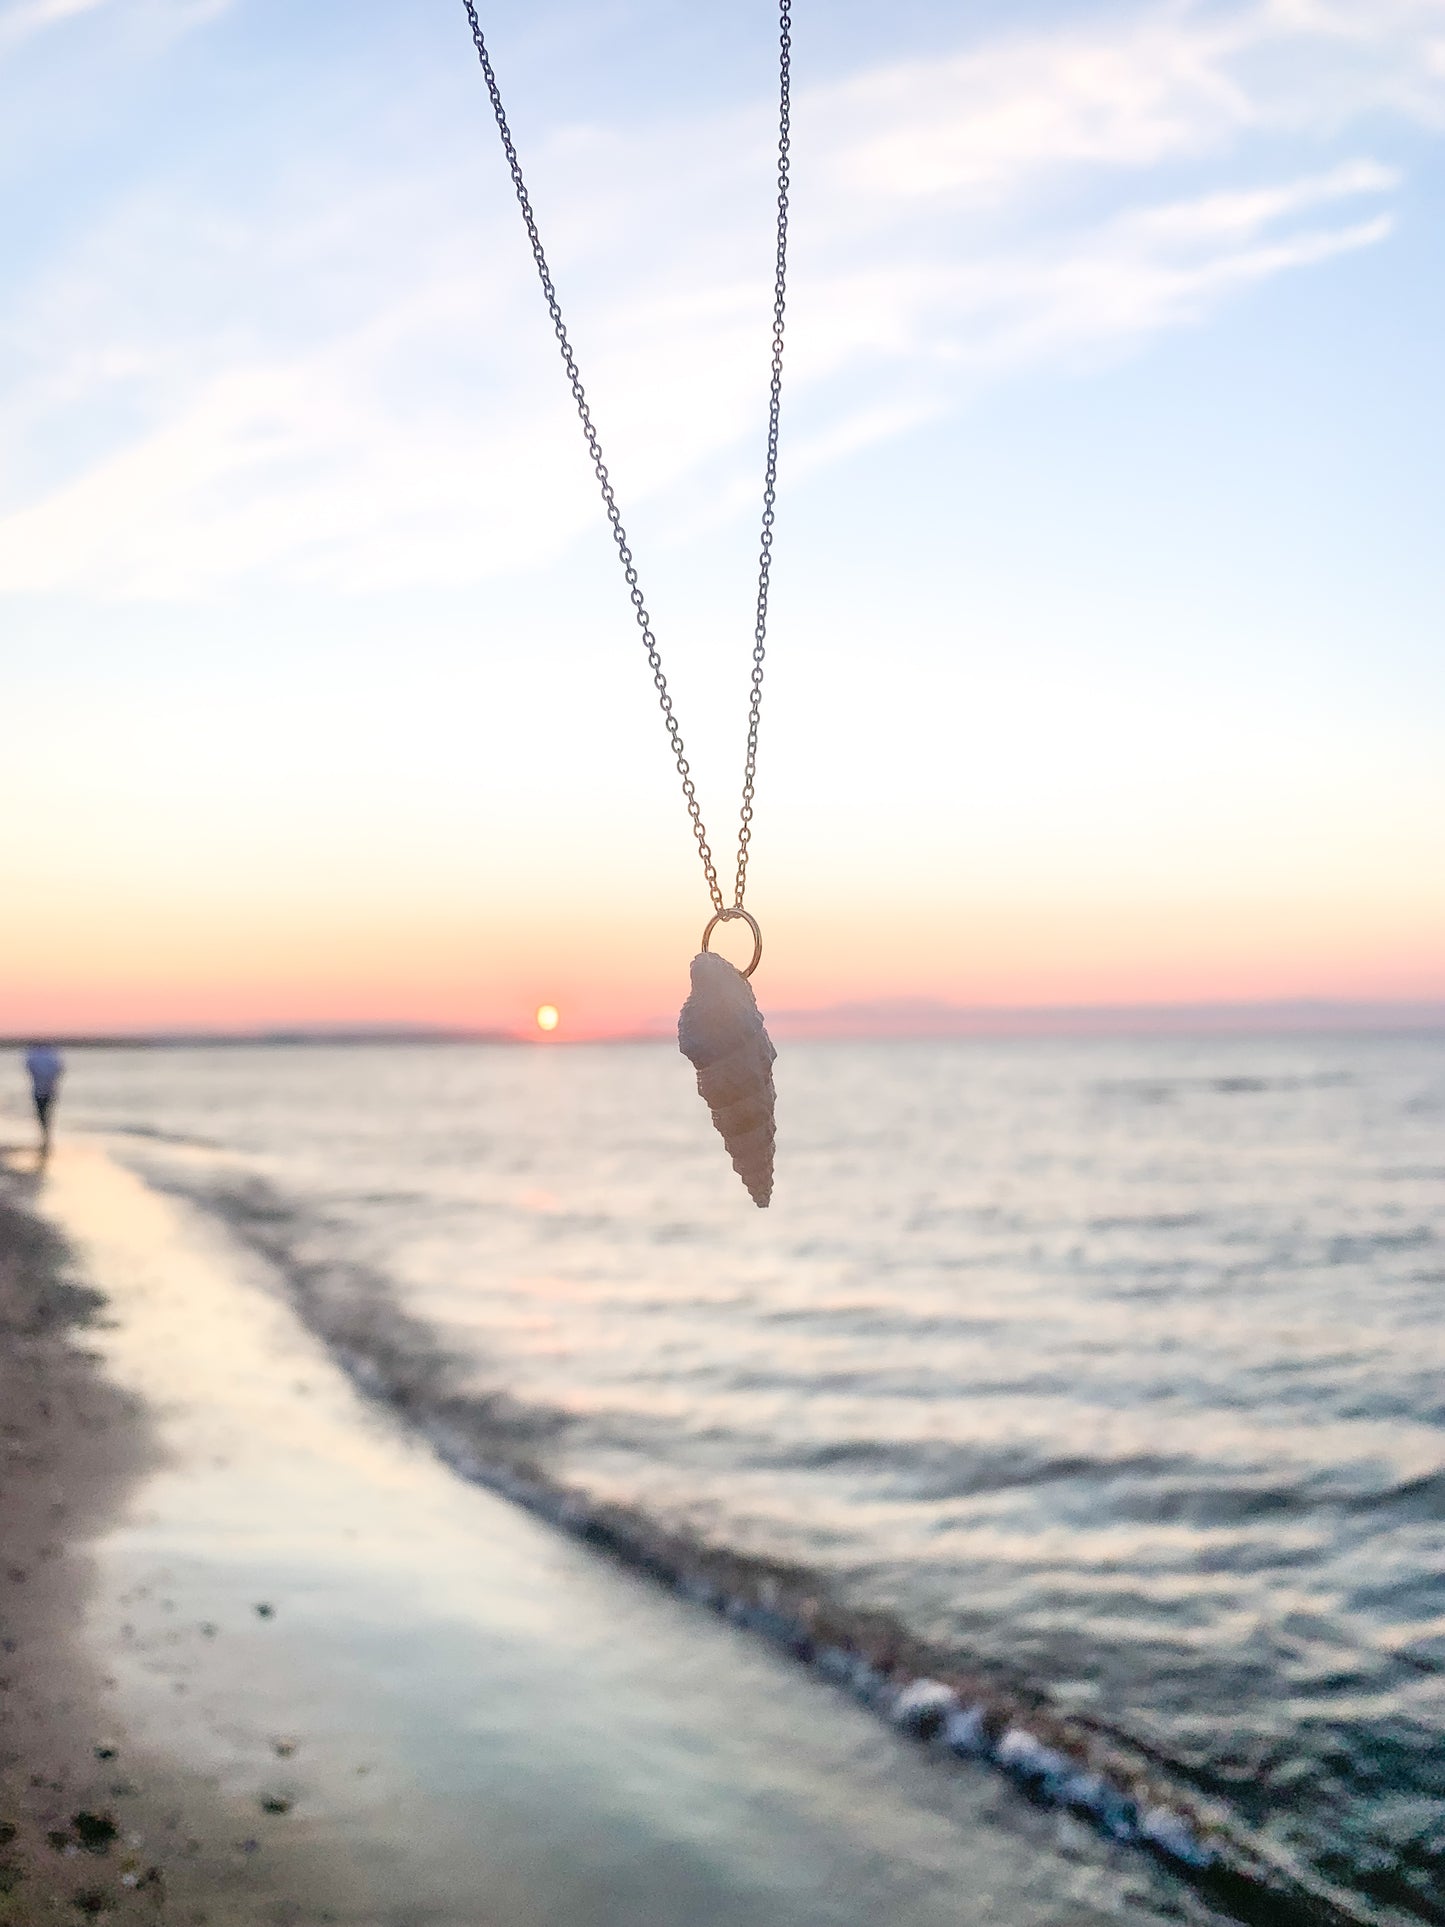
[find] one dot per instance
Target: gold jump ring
(729, 916)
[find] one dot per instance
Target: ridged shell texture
(721, 1031)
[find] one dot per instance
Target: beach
(273, 1662)
(91, 1822)
(435, 1503)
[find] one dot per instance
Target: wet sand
(331, 1681)
(90, 1826)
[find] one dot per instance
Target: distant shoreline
(289, 1038)
(885, 1021)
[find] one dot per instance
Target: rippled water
(1118, 1367)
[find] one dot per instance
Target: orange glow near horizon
(548, 1018)
(81, 968)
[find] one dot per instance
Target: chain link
(609, 501)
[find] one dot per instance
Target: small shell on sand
(721, 1032)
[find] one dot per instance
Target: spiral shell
(721, 1031)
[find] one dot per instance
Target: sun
(548, 1017)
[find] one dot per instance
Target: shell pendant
(720, 1030)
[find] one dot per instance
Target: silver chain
(594, 446)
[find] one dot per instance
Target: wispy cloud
(25, 19)
(348, 381)
(29, 17)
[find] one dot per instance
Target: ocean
(1109, 1373)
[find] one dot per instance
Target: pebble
(835, 1663)
(1029, 1760)
(965, 1733)
(775, 1625)
(1085, 1792)
(922, 1707)
(1118, 1815)
(1172, 1834)
(867, 1682)
(693, 1586)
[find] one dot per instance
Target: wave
(1154, 1090)
(969, 1711)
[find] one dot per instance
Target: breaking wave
(970, 1709)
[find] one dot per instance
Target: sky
(1105, 654)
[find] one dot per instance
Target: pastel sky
(1106, 628)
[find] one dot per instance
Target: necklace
(720, 1028)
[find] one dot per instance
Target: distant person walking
(46, 1068)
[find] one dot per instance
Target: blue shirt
(44, 1064)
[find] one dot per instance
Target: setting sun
(548, 1017)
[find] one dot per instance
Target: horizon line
(901, 1019)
